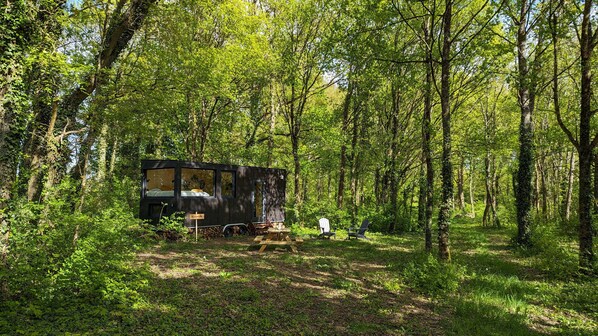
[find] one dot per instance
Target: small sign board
(196, 216)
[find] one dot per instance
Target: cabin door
(258, 201)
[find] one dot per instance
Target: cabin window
(228, 183)
(258, 201)
(197, 182)
(159, 182)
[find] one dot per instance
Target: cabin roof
(156, 164)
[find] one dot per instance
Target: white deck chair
(325, 231)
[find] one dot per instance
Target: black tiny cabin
(227, 195)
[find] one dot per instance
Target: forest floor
(225, 286)
(339, 287)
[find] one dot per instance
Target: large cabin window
(159, 182)
(197, 182)
(228, 183)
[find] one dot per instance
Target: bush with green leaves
(171, 227)
(57, 254)
(430, 276)
(312, 211)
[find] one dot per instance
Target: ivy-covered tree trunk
(523, 193)
(446, 202)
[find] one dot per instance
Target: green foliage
(58, 255)
(171, 227)
(381, 218)
(311, 212)
(552, 252)
(383, 286)
(346, 284)
(433, 277)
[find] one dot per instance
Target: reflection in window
(259, 201)
(228, 184)
(197, 182)
(160, 182)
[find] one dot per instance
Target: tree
(585, 143)
(302, 29)
(43, 148)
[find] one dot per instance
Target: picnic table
(278, 237)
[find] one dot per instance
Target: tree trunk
(570, 181)
(353, 160)
(426, 139)
(486, 217)
(471, 191)
(421, 197)
(543, 189)
(494, 195)
(102, 153)
(587, 42)
(444, 217)
(595, 208)
(460, 183)
(394, 192)
(343, 158)
(9, 142)
(113, 156)
(273, 114)
(523, 194)
(297, 169)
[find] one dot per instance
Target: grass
(384, 286)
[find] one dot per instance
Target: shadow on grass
(330, 287)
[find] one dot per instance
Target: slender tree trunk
(353, 159)
(113, 156)
(523, 194)
(394, 192)
(428, 190)
(444, 217)
(570, 181)
(543, 189)
(486, 217)
(460, 183)
(595, 207)
(297, 168)
(102, 153)
(586, 145)
(343, 158)
(471, 191)
(421, 197)
(536, 194)
(273, 114)
(494, 194)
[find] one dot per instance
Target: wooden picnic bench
(278, 237)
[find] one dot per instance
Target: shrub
(432, 277)
(171, 227)
(57, 255)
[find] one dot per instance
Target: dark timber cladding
(225, 194)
